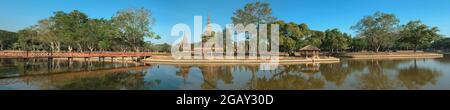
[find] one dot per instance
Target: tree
(69, 27)
(316, 38)
(256, 13)
(96, 30)
(46, 35)
(133, 25)
(7, 39)
(443, 44)
(378, 29)
(253, 13)
(358, 44)
(335, 40)
(164, 47)
(292, 36)
(25, 39)
(417, 34)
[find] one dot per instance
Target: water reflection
(348, 74)
(415, 77)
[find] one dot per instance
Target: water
(348, 74)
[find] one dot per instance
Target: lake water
(348, 74)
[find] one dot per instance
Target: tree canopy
(417, 34)
(379, 30)
(76, 31)
(256, 13)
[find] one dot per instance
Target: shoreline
(391, 55)
(241, 61)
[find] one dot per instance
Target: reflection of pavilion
(311, 67)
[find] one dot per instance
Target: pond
(349, 74)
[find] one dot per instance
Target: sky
(318, 14)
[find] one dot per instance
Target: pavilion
(310, 51)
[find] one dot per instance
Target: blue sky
(318, 14)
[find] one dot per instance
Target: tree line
(75, 31)
(377, 32)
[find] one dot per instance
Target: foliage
(256, 13)
(76, 31)
(7, 39)
(417, 34)
(378, 29)
(335, 40)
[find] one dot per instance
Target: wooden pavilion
(310, 51)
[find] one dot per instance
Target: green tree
(418, 34)
(134, 24)
(7, 39)
(26, 38)
(315, 38)
(358, 44)
(96, 30)
(254, 13)
(69, 27)
(378, 29)
(335, 40)
(292, 36)
(46, 35)
(443, 44)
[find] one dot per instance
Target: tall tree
(47, 36)
(134, 24)
(26, 38)
(335, 40)
(316, 38)
(418, 34)
(253, 13)
(292, 36)
(256, 13)
(68, 27)
(379, 29)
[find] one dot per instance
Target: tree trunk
(58, 46)
(69, 48)
(136, 49)
(52, 46)
(80, 48)
(415, 48)
(377, 48)
(91, 48)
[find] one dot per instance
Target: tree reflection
(412, 77)
(115, 81)
(335, 73)
(214, 73)
(376, 79)
(445, 60)
(290, 77)
(415, 77)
